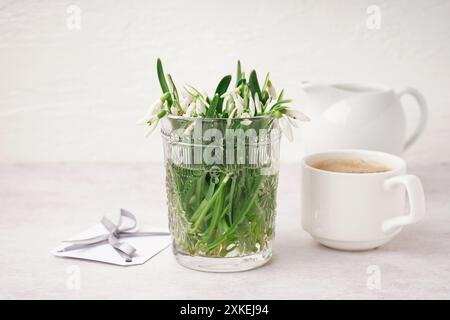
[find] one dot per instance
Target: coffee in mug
(351, 165)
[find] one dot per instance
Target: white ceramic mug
(358, 211)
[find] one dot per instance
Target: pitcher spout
(322, 95)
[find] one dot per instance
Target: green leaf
(264, 97)
(162, 80)
(212, 111)
(175, 91)
(222, 87)
(253, 84)
(266, 81)
(279, 104)
(280, 96)
(246, 94)
(241, 82)
(238, 73)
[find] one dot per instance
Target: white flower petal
(291, 121)
(286, 128)
(154, 109)
(296, 114)
(239, 102)
(152, 127)
(190, 109)
(258, 104)
(174, 111)
(230, 105)
(231, 92)
(240, 109)
(186, 102)
(246, 122)
(251, 105)
(157, 106)
(200, 107)
(239, 98)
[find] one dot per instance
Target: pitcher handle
(423, 108)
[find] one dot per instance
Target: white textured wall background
(70, 95)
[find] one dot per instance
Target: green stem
(230, 203)
(198, 190)
(199, 210)
(234, 226)
(215, 218)
(205, 209)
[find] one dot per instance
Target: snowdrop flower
(155, 108)
(232, 92)
(296, 114)
(190, 109)
(291, 121)
(174, 110)
(246, 122)
(251, 105)
(286, 120)
(199, 106)
(229, 105)
(257, 104)
(285, 127)
(154, 120)
(239, 102)
(186, 102)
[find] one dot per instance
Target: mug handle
(423, 113)
(416, 197)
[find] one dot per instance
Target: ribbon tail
(124, 249)
(143, 234)
(77, 246)
(88, 241)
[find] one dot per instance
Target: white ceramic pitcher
(359, 116)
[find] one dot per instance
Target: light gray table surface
(42, 204)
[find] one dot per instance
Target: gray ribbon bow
(115, 232)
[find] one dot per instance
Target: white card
(146, 247)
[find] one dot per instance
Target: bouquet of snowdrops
(247, 99)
